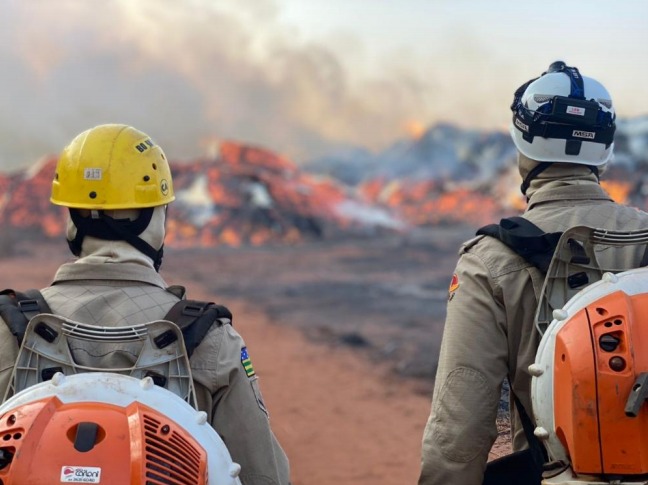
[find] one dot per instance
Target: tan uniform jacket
(129, 293)
(489, 332)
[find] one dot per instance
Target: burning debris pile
(430, 202)
(250, 196)
(446, 175)
(25, 206)
(245, 195)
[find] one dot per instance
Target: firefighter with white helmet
(117, 183)
(563, 126)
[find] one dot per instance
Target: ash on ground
(385, 296)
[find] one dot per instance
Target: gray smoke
(191, 72)
(187, 72)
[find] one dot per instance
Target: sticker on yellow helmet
(145, 145)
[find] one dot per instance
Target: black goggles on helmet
(572, 118)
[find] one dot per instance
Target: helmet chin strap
(533, 173)
(102, 226)
(541, 167)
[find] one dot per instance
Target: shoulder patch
(247, 363)
(454, 286)
(454, 283)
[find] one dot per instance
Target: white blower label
(80, 474)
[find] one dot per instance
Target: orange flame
(414, 129)
(619, 191)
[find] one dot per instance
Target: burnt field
(383, 295)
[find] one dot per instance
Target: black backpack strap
(195, 319)
(538, 450)
(644, 258)
(523, 467)
(526, 239)
(17, 309)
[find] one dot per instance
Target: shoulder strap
(195, 319)
(524, 467)
(526, 239)
(538, 450)
(16, 309)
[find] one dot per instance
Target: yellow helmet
(112, 167)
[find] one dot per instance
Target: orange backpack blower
(137, 425)
(590, 376)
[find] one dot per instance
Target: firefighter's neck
(97, 251)
(556, 175)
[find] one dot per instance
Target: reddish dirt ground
(342, 418)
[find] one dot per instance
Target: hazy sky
(297, 76)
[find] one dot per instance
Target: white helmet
(562, 116)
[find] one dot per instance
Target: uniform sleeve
(472, 364)
(8, 355)
(241, 418)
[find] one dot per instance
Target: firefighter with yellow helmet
(117, 183)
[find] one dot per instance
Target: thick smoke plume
(193, 72)
(187, 72)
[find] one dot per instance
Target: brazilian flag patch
(247, 363)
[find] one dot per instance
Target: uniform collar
(80, 270)
(556, 190)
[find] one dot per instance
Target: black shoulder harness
(17, 308)
(195, 318)
(526, 239)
